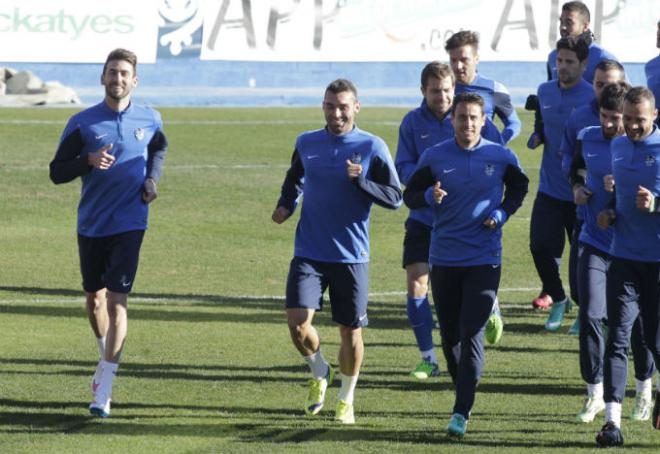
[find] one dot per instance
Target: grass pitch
(208, 365)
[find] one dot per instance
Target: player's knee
(350, 335)
(536, 247)
(117, 313)
(653, 344)
(544, 250)
(298, 327)
(95, 300)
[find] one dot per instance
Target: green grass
(209, 366)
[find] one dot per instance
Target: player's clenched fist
(354, 170)
(101, 159)
(644, 199)
(438, 192)
(606, 218)
(280, 215)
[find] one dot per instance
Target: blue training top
(636, 233)
(652, 71)
(111, 200)
(419, 130)
(596, 55)
(580, 118)
(595, 156)
(556, 105)
(334, 219)
(474, 180)
(497, 102)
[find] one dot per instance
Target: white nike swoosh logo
(547, 107)
(363, 317)
(618, 159)
(425, 136)
(448, 170)
(312, 156)
(100, 136)
(589, 155)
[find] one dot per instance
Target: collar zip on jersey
(120, 130)
(120, 120)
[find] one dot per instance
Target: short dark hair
(612, 96)
(340, 86)
(577, 45)
(437, 70)
(122, 54)
(467, 98)
(463, 38)
(637, 95)
(577, 7)
(609, 65)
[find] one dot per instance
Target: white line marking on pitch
(142, 299)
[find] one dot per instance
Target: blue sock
(421, 321)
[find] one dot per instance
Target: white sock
(613, 413)
(595, 390)
(108, 372)
(496, 307)
(429, 355)
(644, 388)
(347, 388)
(317, 364)
(100, 341)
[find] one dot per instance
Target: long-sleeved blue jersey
(474, 180)
(419, 130)
(634, 164)
(652, 71)
(497, 102)
(556, 105)
(580, 118)
(593, 155)
(596, 55)
(334, 219)
(111, 200)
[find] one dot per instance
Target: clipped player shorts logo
(139, 133)
(489, 169)
(124, 281)
(650, 161)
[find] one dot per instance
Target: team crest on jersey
(489, 169)
(649, 161)
(139, 133)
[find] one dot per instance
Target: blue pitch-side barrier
(193, 82)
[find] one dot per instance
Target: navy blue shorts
(110, 261)
(348, 285)
(416, 243)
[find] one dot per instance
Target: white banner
(413, 30)
(77, 31)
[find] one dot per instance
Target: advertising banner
(77, 31)
(413, 30)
